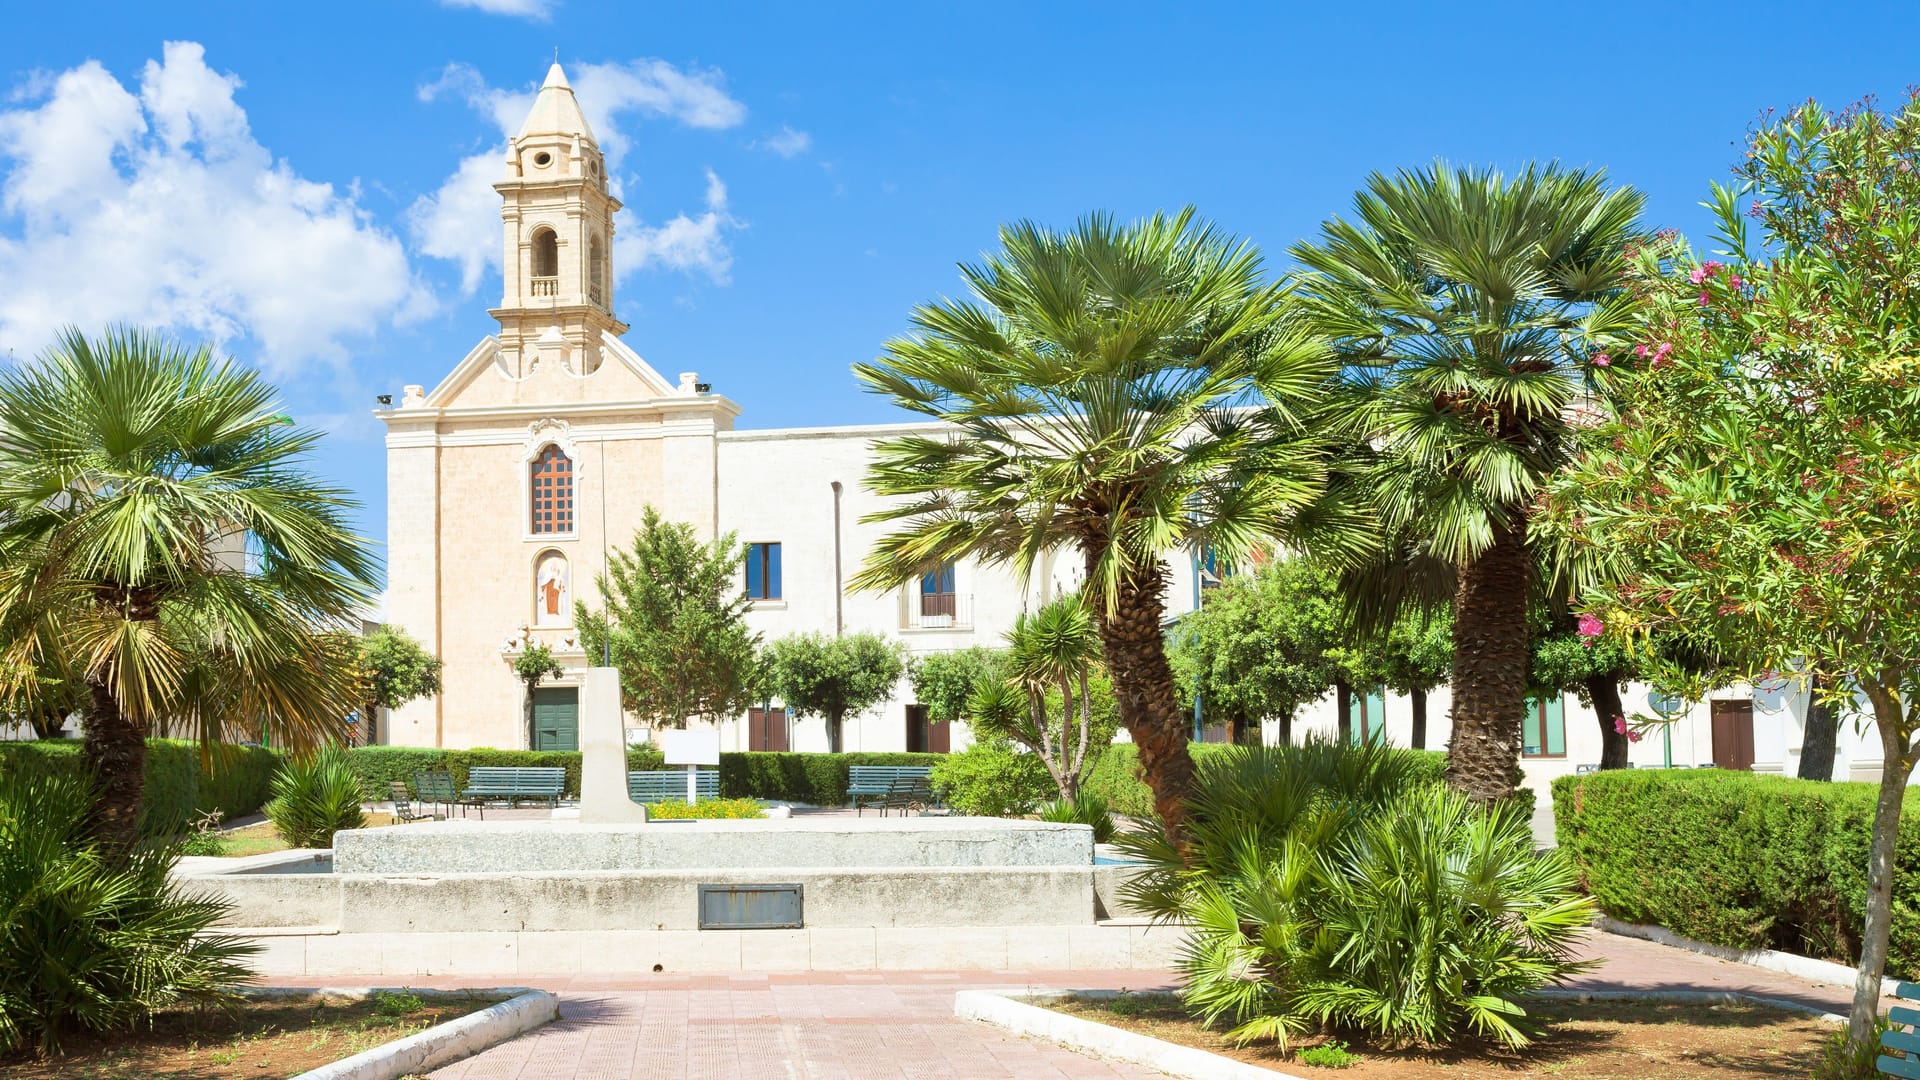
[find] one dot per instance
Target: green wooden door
(556, 719)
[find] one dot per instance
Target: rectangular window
(936, 592)
(1544, 733)
(552, 485)
(763, 571)
(1367, 715)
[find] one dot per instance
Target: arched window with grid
(552, 492)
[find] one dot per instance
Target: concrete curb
(1785, 963)
(436, 1046)
(1010, 1010)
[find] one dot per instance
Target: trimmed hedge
(236, 780)
(1116, 777)
(1738, 859)
(786, 776)
(377, 766)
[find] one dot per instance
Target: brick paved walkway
(859, 1025)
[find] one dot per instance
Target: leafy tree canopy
(397, 668)
(834, 678)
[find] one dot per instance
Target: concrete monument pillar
(603, 752)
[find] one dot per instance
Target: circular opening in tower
(543, 159)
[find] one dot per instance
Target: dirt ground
(256, 1040)
(1612, 1040)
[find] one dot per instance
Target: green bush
(377, 766)
(814, 779)
(316, 798)
(991, 779)
(705, 809)
(93, 939)
(1343, 886)
(1329, 1055)
(1090, 810)
(1739, 859)
(178, 785)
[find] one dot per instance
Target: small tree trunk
(1819, 744)
(833, 734)
(1896, 765)
(1419, 698)
(1343, 710)
(1143, 689)
(1604, 692)
(115, 750)
(531, 741)
(1489, 668)
(1286, 728)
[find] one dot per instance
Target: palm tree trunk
(1820, 742)
(1144, 690)
(1604, 692)
(1419, 698)
(1489, 668)
(1343, 711)
(115, 750)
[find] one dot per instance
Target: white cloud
(540, 10)
(161, 209)
(787, 142)
(459, 221)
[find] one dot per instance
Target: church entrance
(556, 718)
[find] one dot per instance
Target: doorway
(1733, 734)
(923, 735)
(556, 718)
(767, 729)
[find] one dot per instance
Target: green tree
(1257, 649)
(1761, 465)
(43, 695)
(1416, 656)
(944, 681)
(834, 677)
(533, 666)
(396, 669)
(1053, 700)
(1565, 660)
(1463, 305)
(158, 530)
(1097, 396)
(674, 622)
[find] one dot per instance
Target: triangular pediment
(482, 380)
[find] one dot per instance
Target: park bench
(513, 783)
(404, 809)
(435, 787)
(897, 786)
(663, 785)
(1902, 1034)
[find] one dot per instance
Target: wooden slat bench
(435, 787)
(1906, 1042)
(664, 785)
(512, 784)
(889, 785)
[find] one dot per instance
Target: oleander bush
(315, 798)
(1739, 859)
(180, 782)
(671, 810)
(91, 938)
(1344, 888)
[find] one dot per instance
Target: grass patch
(1607, 1040)
(261, 839)
(252, 1039)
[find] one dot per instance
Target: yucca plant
(315, 798)
(1086, 809)
(94, 936)
(1329, 886)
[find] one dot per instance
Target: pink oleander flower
(1704, 298)
(1754, 210)
(1591, 626)
(1640, 351)
(1699, 275)
(1660, 353)
(1633, 736)
(1619, 725)
(1735, 281)
(1602, 360)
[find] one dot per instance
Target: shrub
(314, 799)
(1739, 859)
(89, 938)
(377, 766)
(1329, 1055)
(705, 809)
(815, 779)
(992, 779)
(1086, 810)
(1342, 885)
(179, 784)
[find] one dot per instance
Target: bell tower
(558, 224)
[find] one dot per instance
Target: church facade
(539, 451)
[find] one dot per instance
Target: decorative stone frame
(541, 434)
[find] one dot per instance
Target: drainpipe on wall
(839, 613)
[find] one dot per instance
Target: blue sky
(288, 180)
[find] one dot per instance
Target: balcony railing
(546, 286)
(937, 611)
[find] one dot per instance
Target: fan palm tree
(1056, 649)
(1466, 308)
(1122, 391)
(156, 530)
